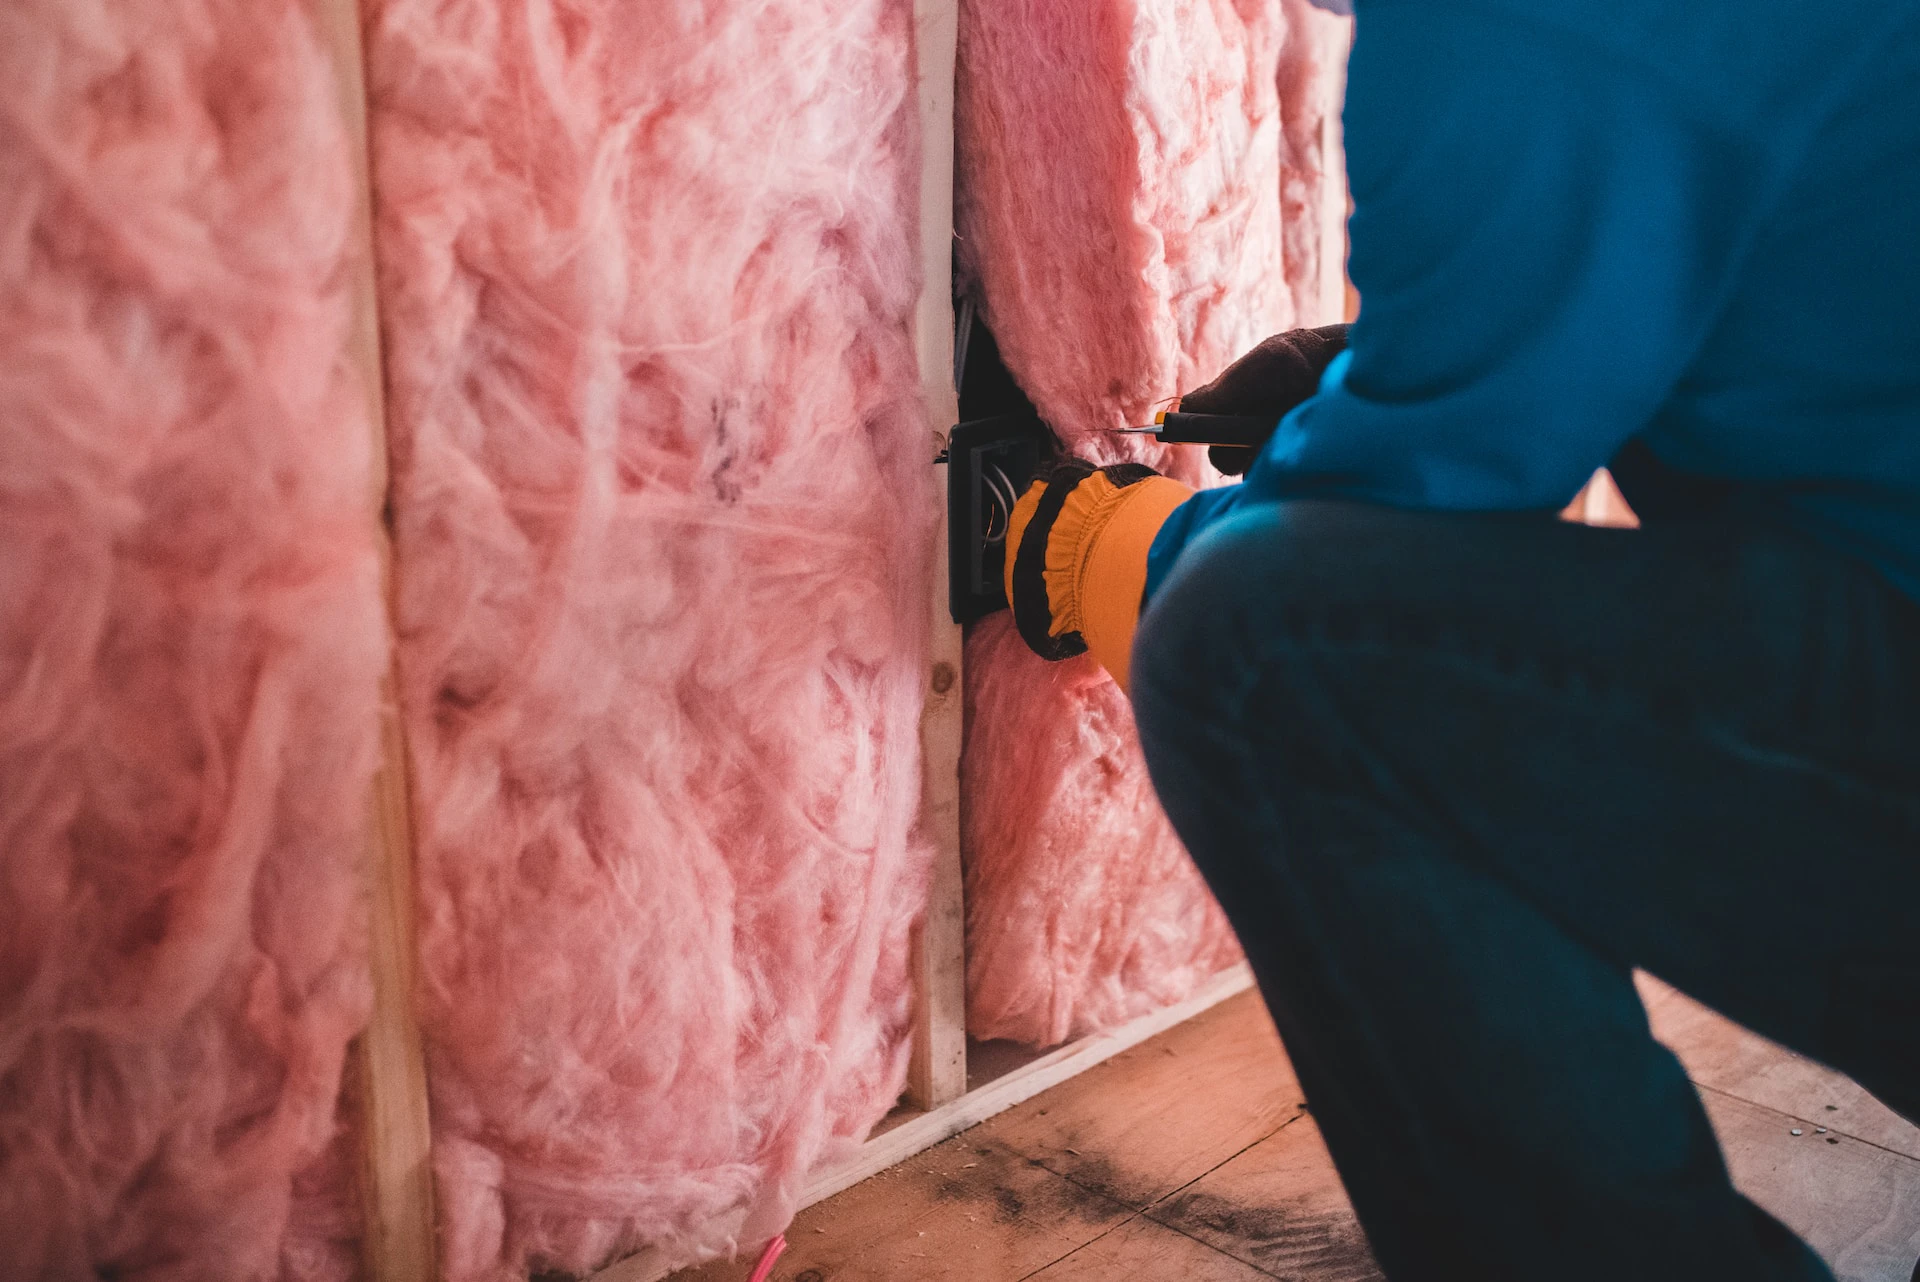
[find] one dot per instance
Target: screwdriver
(1172, 427)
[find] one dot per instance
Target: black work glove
(1269, 380)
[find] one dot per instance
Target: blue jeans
(1454, 775)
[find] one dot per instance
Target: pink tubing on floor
(764, 1270)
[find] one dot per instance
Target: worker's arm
(1544, 233)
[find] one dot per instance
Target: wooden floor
(1191, 1157)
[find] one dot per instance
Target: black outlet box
(990, 463)
(992, 456)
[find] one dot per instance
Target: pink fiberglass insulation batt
(1139, 194)
(663, 517)
(191, 638)
(1101, 916)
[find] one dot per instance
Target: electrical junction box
(990, 462)
(992, 456)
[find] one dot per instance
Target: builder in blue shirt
(1454, 767)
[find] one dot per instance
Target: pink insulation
(190, 644)
(1140, 194)
(1101, 915)
(663, 516)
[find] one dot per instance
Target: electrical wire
(999, 514)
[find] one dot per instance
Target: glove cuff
(1080, 557)
(1113, 570)
(1029, 532)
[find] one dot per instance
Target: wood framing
(941, 1101)
(909, 1130)
(911, 1133)
(937, 1071)
(396, 1135)
(1334, 287)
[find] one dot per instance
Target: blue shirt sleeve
(1543, 233)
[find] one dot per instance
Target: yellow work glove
(1077, 558)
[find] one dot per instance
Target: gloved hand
(1269, 380)
(1077, 557)
(1077, 543)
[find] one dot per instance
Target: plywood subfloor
(1192, 1157)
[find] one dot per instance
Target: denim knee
(1197, 632)
(1196, 643)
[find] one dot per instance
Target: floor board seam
(1301, 1111)
(1143, 1210)
(1175, 1228)
(1104, 1194)
(1795, 1117)
(1121, 1223)
(1147, 1213)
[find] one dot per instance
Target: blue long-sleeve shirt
(1687, 226)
